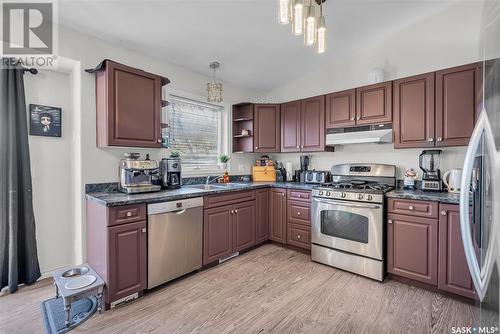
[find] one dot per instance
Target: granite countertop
(115, 198)
(442, 197)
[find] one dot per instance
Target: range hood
(358, 135)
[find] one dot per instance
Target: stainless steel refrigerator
(480, 188)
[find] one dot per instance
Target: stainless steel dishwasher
(175, 232)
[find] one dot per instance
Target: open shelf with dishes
(242, 128)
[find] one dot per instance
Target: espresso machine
(429, 161)
(171, 173)
(138, 176)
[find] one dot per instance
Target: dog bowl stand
(71, 295)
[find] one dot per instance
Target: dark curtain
(18, 253)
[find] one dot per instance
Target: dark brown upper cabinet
(128, 104)
(313, 124)
(414, 111)
(303, 125)
(374, 104)
(267, 128)
(456, 103)
(290, 126)
(341, 109)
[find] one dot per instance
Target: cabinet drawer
(413, 208)
(126, 214)
(299, 213)
(228, 198)
(299, 195)
(299, 236)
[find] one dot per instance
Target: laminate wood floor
(267, 290)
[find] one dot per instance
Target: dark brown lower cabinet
(262, 215)
(127, 259)
(228, 229)
(454, 274)
(217, 233)
(277, 215)
(412, 248)
(243, 226)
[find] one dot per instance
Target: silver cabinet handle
(411, 207)
(256, 147)
(298, 213)
(232, 211)
(282, 195)
(439, 139)
(298, 146)
(299, 195)
(443, 213)
(352, 118)
(358, 118)
(235, 211)
(430, 139)
(143, 230)
(389, 221)
(298, 236)
(129, 213)
(480, 276)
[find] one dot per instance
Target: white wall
(52, 172)
(59, 233)
(446, 39)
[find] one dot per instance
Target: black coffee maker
(300, 175)
(171, 173)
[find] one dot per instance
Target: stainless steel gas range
(348, 230)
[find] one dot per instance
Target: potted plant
(223, 159)
(175, 154)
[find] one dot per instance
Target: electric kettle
(452, 180)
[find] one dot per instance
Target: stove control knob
(343, 195)
(328, 193)
(360, 196)
(321, 192)
(369, 197)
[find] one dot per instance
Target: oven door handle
(354, 205)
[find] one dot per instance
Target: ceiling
(254, 50)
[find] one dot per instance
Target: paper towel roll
(289, 171)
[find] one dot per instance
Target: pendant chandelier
(214, 89)
(302, 15)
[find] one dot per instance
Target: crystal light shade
(321, 38)
(284, 11)
(298, 20)
(214, 90)
(310, 26)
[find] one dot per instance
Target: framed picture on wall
(45, 121)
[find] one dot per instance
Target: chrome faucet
(208, 179)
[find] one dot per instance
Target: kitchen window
(197, 131)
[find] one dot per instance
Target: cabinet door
(414, 111)
(341, 109)
(217, 233)
(412, 245)
(243, 226)
(290, 127)
(267, 128)
(133, 110)
(453, 270)
(262, 215)
(313, 124)
(127, 260)
(374, 104)
(277, 214)
(456, 100)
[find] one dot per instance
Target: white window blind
(196, 132)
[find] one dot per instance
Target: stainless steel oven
(348, 218)
(352, 227)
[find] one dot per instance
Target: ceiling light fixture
(309, 25)
(285, 11)
(297, 19)
(214, 89)
(302, 15)
(321, 31)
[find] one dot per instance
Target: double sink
(217, 186)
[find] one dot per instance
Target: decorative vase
(223, 165)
